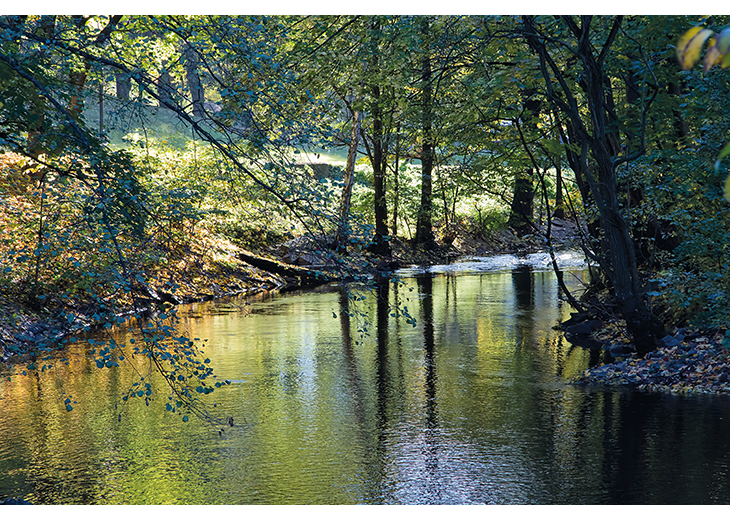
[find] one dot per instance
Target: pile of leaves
(698, 363)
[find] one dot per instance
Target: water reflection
(343, 403)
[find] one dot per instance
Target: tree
(424, 227)
(342, 235)
(597, 136)
(195, 86)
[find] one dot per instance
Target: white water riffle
(506, 262)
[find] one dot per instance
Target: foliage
(689, 48)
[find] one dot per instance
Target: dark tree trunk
(523, 200)
(424, 226)
(559, 203)
(600, 137)
(680, 124)
(380, 246)
(618, 245)
(378, 153)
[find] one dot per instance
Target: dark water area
(471, 405)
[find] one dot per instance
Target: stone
(14, 502)
(585, 327)
(670, 341)
(619, 350)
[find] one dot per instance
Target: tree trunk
(523, 200)
(37, 125)
(680, 125)
(77, 78)
(101, 106)
(165, 87)
(424, 226)
(396, 184)
(559, 203)
(380, 246)
(123, 84)
(195, 86)
(379, 153)
(600, 137)
(618, 246)
(342, 236)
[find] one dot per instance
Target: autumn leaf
(689, 46)
(712, 57)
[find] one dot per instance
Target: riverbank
(685, 363)
(213, 268)
(210, 270)
(454, 242)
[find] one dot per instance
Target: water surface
(469, 406)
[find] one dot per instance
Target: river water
(468, 406)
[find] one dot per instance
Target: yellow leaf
(684, 41)
(712, 57)
(725, 61)
(690, 46)
(727, 188)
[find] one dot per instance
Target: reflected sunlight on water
(470, 405)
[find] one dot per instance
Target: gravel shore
(692, 364)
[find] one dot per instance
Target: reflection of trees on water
(382, 292)
(370, 435)
(350, 361)
(431, 450)
(425, 288)
(523, 284)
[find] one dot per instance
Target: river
(469, 405)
